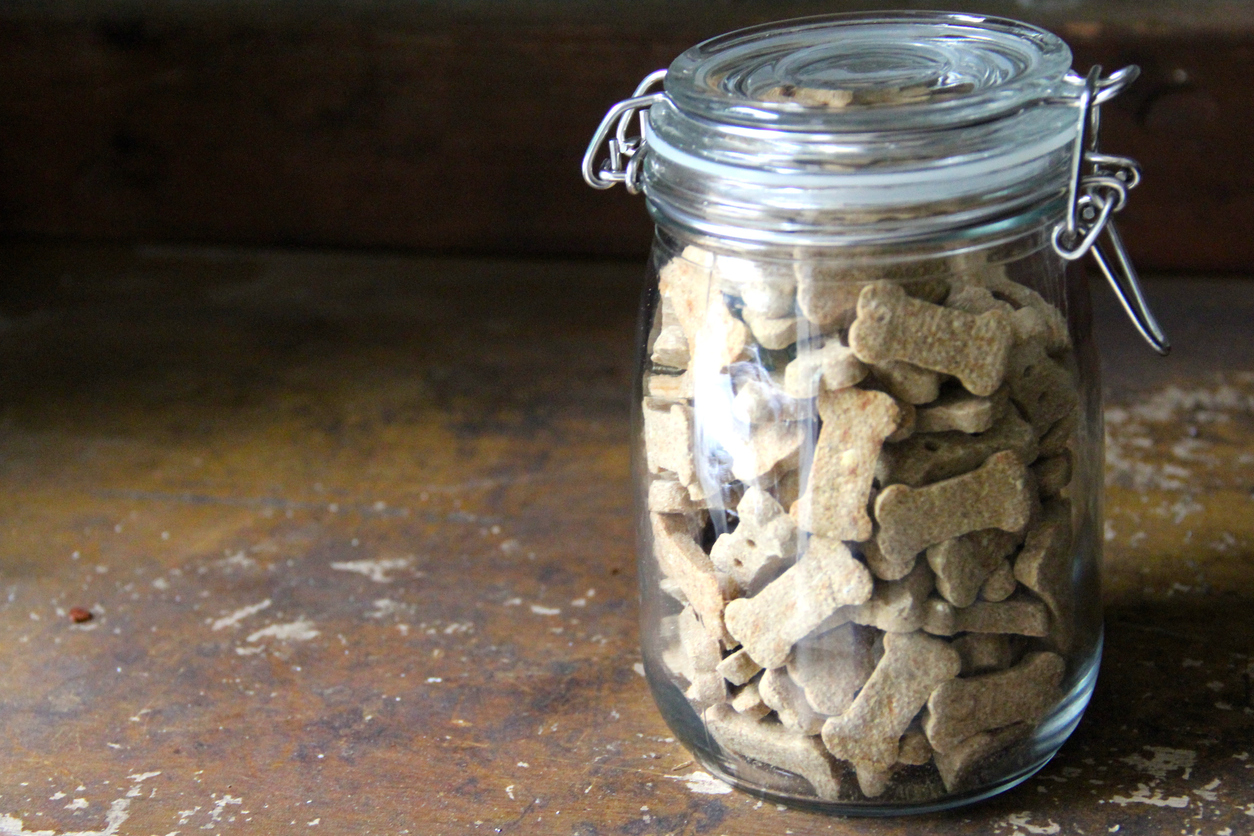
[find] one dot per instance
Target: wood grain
(460, 129)
(357, 538)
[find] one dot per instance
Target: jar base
(1037, 751)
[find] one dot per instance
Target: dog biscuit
(763, 544)
(1000, 584)
(833, 366)
(1044, 566)
(833, 666)
(962, 564)
(681, 560)
(925, 458)
(869, 732)
(1021, 614)
(893, 326)
(960, 708)
(959, 410)
(855, 424)
(774, 745)
(999, 494)
(789, 702)
(791, 606)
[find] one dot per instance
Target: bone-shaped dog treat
(720, 340)
(792, 605)
(975, 299)
(907, 382)
(669, 387)
(832, 667)
(773, 744)
(763, 544)
(704, 653)
(961, 708)
(914, 749)
(895, 606)
(1057, 337)
(739, 667)
(1040, 386)
(682, 560)
(684, 283)
(833, 366)
(881, 566)
(958, 767)
(855, 424)
(892, 326)
(984, 652)
(1029, 325)
(674, 655)
(1044, 566)
(1021, 614)
(1053, 473)
(1056, 439)
(905, 428)
(787, 488)
(772, 332)
(766, 289)
(922, 459)
(959, 410)
(761, 402)
(1000, 584)
(676, 661)
(670, 347)
(770, 445)
(668, 496)
(964, 563)
(668, 439)
(669, 587)
(827, 290)
(999, 494)
(808, 96)
(788, 702)
(748, 701)
(827, 295)
(869, 733)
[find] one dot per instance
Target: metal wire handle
(1093, 197)
(623, 165)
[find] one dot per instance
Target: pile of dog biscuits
(858, 503)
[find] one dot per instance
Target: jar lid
(861, 127)
(850, 73)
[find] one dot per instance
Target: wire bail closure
(623, 165)
(1093, 197)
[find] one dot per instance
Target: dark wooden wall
(459, 127)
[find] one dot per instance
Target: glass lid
(869, 72)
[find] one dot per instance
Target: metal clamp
(623, 165)
(1093, 197)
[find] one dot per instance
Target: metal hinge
(623, 164)
(1095, 195)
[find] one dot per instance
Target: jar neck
(995, 243)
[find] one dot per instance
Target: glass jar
(868, 426)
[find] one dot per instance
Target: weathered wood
(460, 128)
(421, 465)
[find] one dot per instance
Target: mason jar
(868, 431)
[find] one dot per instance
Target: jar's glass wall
(868, 492)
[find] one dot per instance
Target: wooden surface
(356, 535)
(459, 126)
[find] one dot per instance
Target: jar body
(869, 499)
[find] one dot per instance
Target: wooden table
(356, 536)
